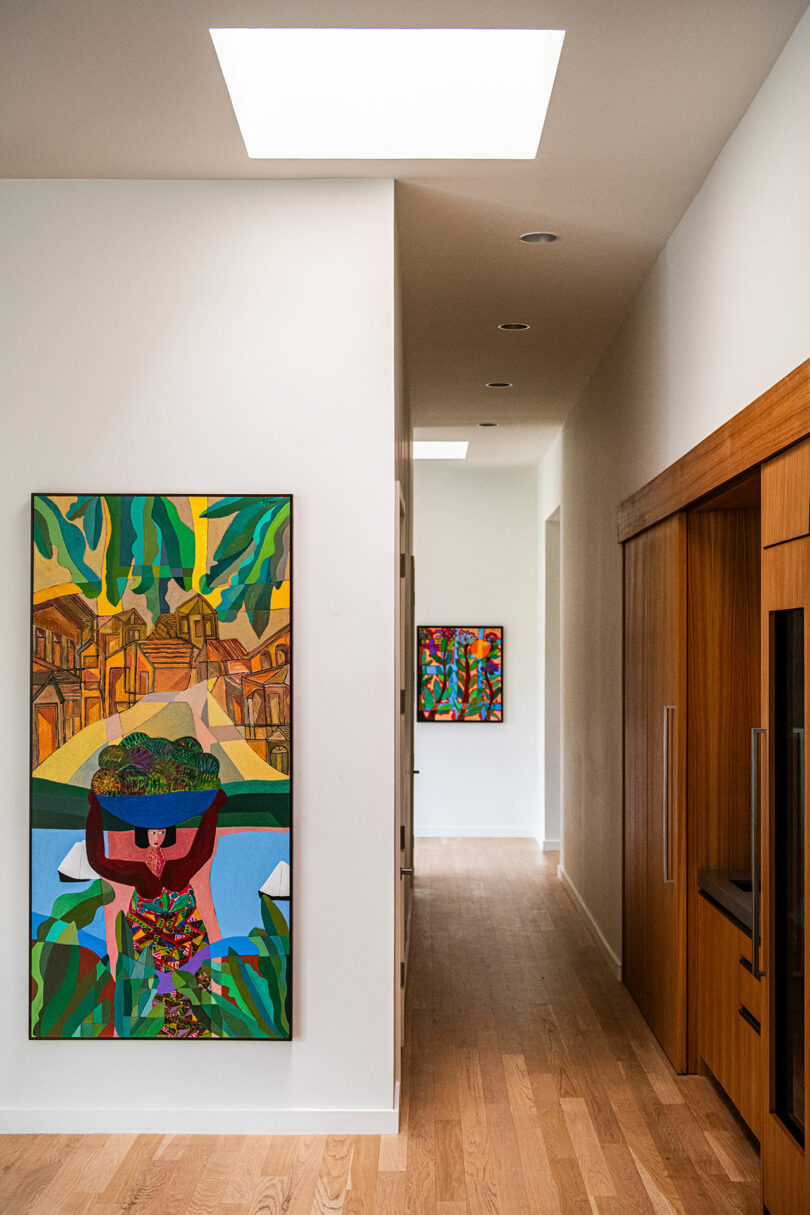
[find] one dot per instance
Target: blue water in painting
(243, 862)
(48, 850)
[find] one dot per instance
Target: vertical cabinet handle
(755, 875)
(665, 797)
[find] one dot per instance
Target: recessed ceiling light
(499, 384)
(513, 325)
(432, 449)
(487, 423)
(390, 94)
(539, 238)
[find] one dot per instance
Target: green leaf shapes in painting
(55, 534)
(247, 1000)
(89, 508)
(137, 1015)
(146, 540)
(80, 907)
(65, 1003)
(248, 560)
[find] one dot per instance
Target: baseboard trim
(551, 845)
(520, 833)
(200, 1122)
(612, 959)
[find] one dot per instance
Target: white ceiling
(647, 93)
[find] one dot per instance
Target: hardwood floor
(532, 1085)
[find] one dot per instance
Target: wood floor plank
(269, 1196)
(214, 1182)
(450, 1182)
(531, 1085)
(592, 1163)
(541, 1191)
(362, 1180)
(303, 1181)
(333, 1175)
(393, 1153)
(104, 1163)
(247, 1172)
(390, 1194)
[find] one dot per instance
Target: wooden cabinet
(729, 1011)
(723, 694)
(785, 876)
(786, 495)
(655, 780)
(716, 697)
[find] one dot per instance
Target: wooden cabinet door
(786, 495)
(655, 780)
(785, 950)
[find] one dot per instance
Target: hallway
(532, 1084)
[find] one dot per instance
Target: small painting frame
(459, 674)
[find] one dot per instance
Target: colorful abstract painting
(161, 761)
(460, 672)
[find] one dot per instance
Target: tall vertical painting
(460, 673)
(161, 766)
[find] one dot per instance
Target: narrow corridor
(535, 1084)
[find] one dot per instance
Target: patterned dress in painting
(163, 912)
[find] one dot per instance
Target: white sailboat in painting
(278, 883)
(76, 867)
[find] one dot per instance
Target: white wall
(724, 314)
(475, 546)
(551, 687)
(221, 336)
(549, 665)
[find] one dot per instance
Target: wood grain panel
(727, 1044)
(786, 495)
(780, 417)
(655, 678)
(635, 949)
(723, 703)
(786, 1168)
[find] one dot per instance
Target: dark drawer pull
(746, 965)
(749, 1019)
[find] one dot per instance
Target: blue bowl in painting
(158, 809)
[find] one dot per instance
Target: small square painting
(460, 671)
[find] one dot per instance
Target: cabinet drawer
(729, 1004)
(749, 989)
(745, 1090)
(786, 495)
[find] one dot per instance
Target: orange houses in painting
(103, 637)
(266, 700)
(88, 667)
(195, 621)
(273, 652)
(143, 667)
(254, 690)
(228, 657)
(58, 626)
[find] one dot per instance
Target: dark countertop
(726, 888)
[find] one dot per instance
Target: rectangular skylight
(434, 449)
(389, 94)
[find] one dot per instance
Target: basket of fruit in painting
(155, 782)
